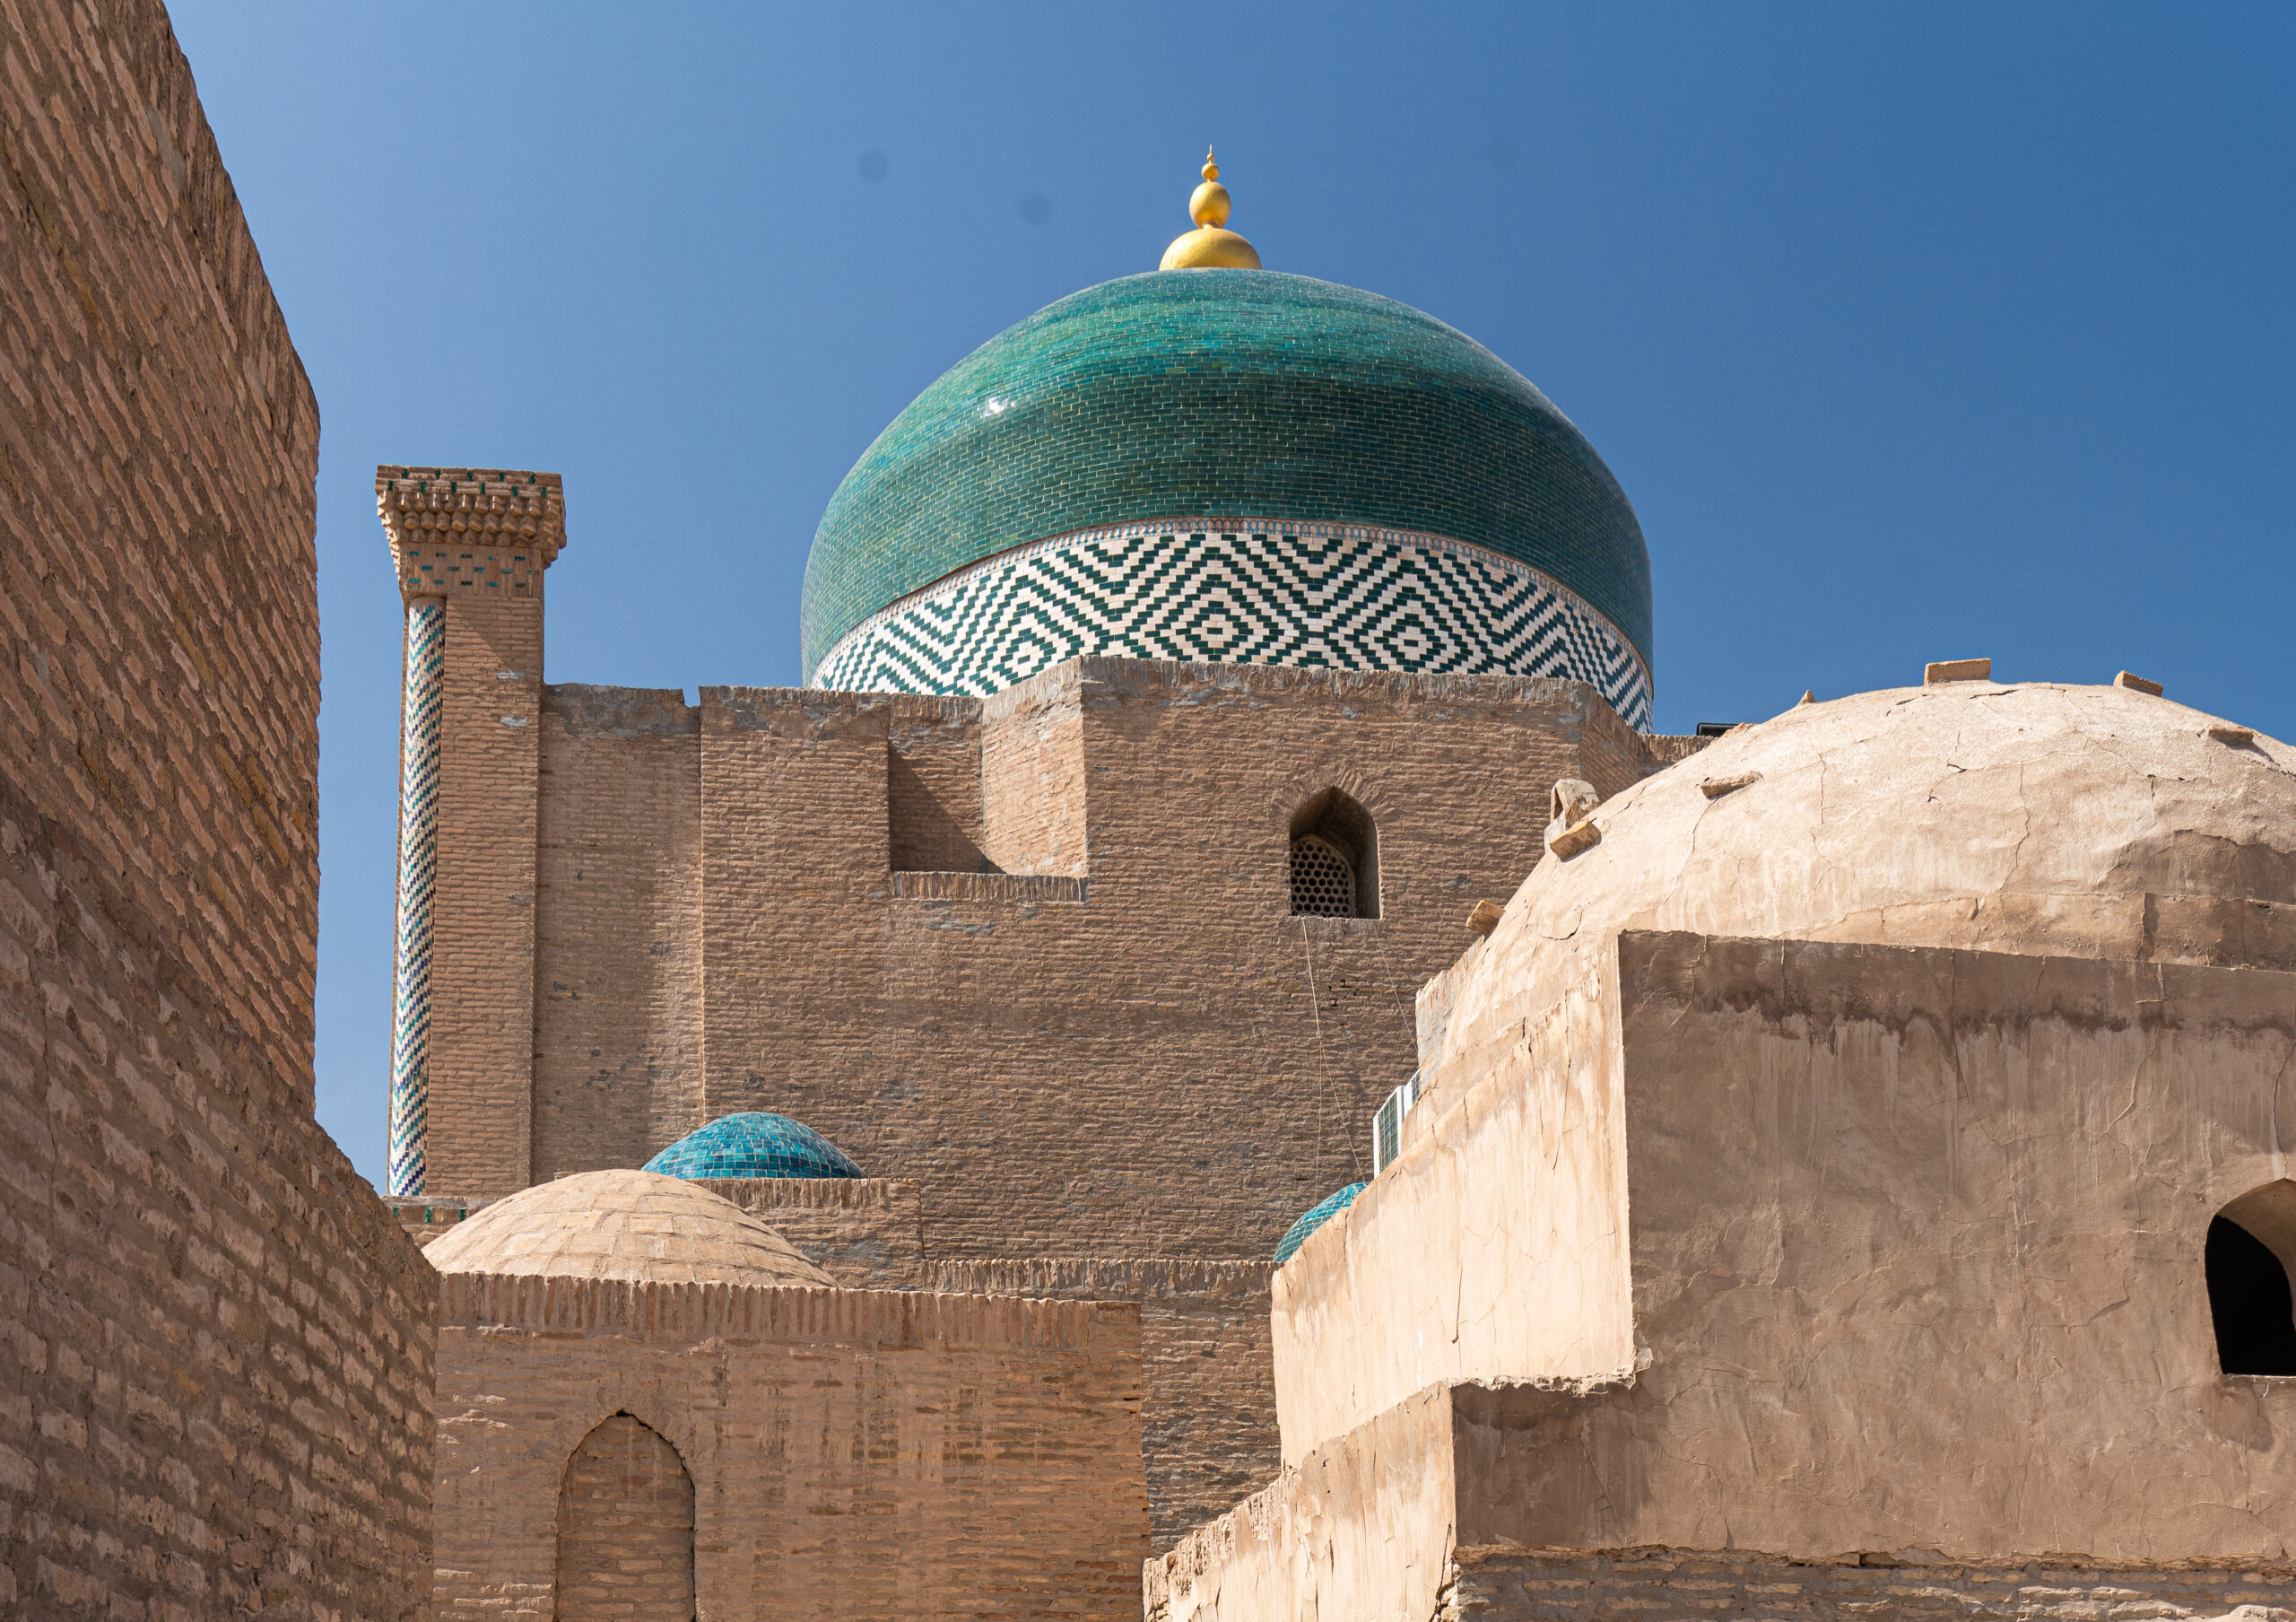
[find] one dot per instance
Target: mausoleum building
(1214, 955)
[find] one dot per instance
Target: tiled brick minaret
(469, 547)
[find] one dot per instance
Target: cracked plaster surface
(2080, 827)
(2028, 817)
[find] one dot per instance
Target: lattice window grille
(1386, 1126)
(1323, 880)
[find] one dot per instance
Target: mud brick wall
(617, 1045)
(625, 1529)
(933, 786)
(215, 1343)
(1564, 1586)
(865, 1233)
(1162, 1062)
(1207, 1413)
(158, 582)
(484, 959)
(855, 1454)
(1106, 1001)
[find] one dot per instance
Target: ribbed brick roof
(638, 1225)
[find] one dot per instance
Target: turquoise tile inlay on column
(418, 864)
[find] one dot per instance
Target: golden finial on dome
(1210, 245)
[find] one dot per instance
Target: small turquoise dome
(752, 1144)
(1317, 1215)
(1259, 399)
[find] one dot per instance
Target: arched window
(1334, 858)
(2249, 1243)
(625, 1528)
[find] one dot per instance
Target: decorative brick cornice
(470, 529)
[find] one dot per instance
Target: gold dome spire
(1210, 245)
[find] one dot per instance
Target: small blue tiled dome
(1317, 1215)
(753, 1144)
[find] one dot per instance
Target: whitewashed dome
(636, 1225)
(2022, 818)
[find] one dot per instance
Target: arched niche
(625, 1528)
(1334, 858)
(2251, 1248)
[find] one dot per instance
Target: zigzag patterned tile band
(1239, 591)
(418, 860)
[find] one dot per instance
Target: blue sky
(1912, 332)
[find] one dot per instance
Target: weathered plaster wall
(854, 1453)
(1361, 1528)
(2033, 818)
(1916, 1242)
(1495, 1247)
(1508, 1586)
(215, 1343)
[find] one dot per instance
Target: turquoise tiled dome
(1243, 393)
(1318, 1214)
(752, 1144)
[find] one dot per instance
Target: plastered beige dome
(639, 1226)
(2021, 818)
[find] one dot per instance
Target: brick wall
(933, 786)
(854, 1453)
(1121, 1046)
(1563, 1586)
(865, 1233)
(1151, 1059)
(158, 446)
(214, 1345)
(1032, 777)
(625, 1529)
(617, 1042)
(1207, 1383)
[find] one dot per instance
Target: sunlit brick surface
(215, 1345)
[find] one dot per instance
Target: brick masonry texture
(1207, 1383)
(483, 969)
(617, 946)
(214, 1345)
(854, 1453)
(1673, 1585)
(736, 906)
(625, 1529)
(1138, 1051)
(865, 1233)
